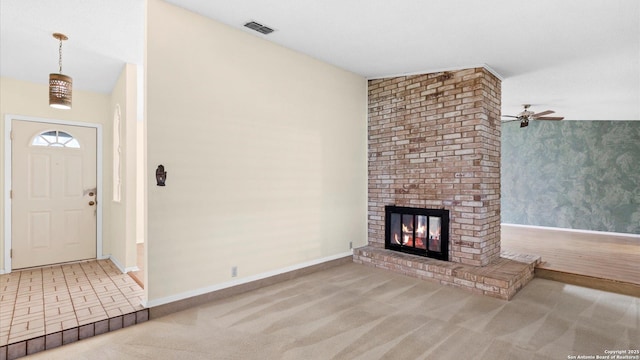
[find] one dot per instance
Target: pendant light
(60, 84)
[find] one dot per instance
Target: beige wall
(123, 216)
(265, 149)
(31, 100)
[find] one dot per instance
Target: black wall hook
(161, 175)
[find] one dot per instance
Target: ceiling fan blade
(511, 116)
(510, 120)
(546, 112)
(550, 118)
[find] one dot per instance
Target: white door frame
(7, 180)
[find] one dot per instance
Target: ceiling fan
(527, 115)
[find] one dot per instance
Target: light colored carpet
(357, 312)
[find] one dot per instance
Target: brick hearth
(502, 278)
(434, 142)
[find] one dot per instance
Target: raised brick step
(502, 278)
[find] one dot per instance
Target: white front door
(53, 208)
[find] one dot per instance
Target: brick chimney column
(434, 142)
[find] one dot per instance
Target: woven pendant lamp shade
(60, 91)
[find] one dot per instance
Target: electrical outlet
(234, 271)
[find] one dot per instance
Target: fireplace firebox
(417, 231)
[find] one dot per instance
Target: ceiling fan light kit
(527, 115)
(60, 85)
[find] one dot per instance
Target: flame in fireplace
(395, 238)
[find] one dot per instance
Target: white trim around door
(7, 181)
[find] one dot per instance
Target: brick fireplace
(434, 142)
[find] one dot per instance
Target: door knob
(92, 203)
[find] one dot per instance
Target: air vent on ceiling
(259, 27)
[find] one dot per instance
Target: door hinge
(11, 134)
(11, 253)
(10, 194)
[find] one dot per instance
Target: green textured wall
(572, 174)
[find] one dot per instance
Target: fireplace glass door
(435, 233)
(417, 231)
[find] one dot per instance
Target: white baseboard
(228, 284)
(122, 269)
(633, 236)
(116, 263)
(105, 257)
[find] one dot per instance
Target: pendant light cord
(60, 56)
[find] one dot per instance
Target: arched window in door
(55, 138)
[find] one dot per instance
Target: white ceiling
(578, 57)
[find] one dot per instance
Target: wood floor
(602, 261)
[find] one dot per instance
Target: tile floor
(54, 299)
